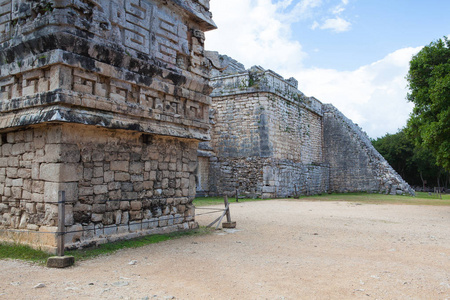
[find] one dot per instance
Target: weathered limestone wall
(118, 183)
(355, 165)
(267, 137)
(125, 82)
(270, 140)
(133, 64)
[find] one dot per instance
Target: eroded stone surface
(270, 140)
(106, 100)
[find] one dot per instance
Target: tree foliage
(416, 164)
(429, 84)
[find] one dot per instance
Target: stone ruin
(109, 101)
(106, 100)
(269, 140)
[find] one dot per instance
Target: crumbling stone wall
(355, 165)
(267, 137)
(126, 82)
(270, 140)
(117, 183)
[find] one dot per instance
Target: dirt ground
(280, 250)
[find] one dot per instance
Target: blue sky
(351, 53)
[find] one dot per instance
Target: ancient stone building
(106, 100)
(269, 140)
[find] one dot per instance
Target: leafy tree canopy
(429, 84)
(414, 163)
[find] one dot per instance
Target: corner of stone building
(107, 101)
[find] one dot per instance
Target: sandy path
(283, 250)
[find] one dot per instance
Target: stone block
(18, 149)
(98, 172)
(17, 182)
(136, 167)
(125, 205)
(135, 226)
(108, 218)
(121, 176)
(36, 197)
(100, 189)
(108, 176)
(16, 192)
(178, 219)
(53, 134)
(68, 215)
(51, 190)
(120, 166)
(96, 217)
(117, 217)
(73, 234)
(110, 230)
(60, 261)
(99, 208)
(86, 191)
(163, 221)
(125, 217)
(24, 173)
(135, 215)
(60, 172)
(136, 205)
(49, 238)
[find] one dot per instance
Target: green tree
(398, 150)
(416, 164)
(429, 84)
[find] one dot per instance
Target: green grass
(109, 248)
(206, 201)
(22, 252)
(419, 199)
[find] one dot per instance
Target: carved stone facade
(269, 140)
(105, 99)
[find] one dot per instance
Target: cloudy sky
(351, 53)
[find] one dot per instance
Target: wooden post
(61, 222)
(61, 261)
(225, 200)
(228, 223)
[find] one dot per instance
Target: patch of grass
(22, 252)
(110, 248)
(206, 201)
(419, 199)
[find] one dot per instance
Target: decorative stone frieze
(107, 100)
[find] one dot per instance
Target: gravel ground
(280, 250)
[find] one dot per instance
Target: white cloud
(338, 10)
(258, 32)
(336, 24)
(255, 32)
(302, 10)
(373, 96)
